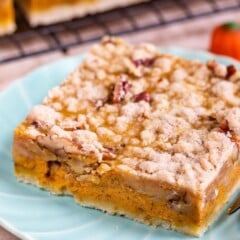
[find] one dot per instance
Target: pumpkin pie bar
(7, 20)
(140, 133)
(46, 12)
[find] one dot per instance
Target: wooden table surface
(191, 34)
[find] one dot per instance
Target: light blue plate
(31, 213)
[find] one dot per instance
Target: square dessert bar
(137, 132)
(46, 12)
(7, 18)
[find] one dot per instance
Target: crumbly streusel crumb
(165, 111)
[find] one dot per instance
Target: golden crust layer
(149, 126)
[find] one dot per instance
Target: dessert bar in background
(7, 18)
(139, 133)
(46, 12)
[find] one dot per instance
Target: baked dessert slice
(136, 132)
(46, 12)
(7, 19)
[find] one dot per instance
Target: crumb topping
(144, 112)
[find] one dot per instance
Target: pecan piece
(178, 202)
(212, 64)
(100, 103)
(52, 166)
(58, 146)
(147, 62)
(40, 125)
(143, 96)
(236, 139)
(218, 70)
(231, 70)
(36, 124)
(120, 90)
(70, 125)
(224, 126)
(108, 155)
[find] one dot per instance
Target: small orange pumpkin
(226, 40)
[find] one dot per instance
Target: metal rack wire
(27, 41)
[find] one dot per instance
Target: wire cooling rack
(27, 41)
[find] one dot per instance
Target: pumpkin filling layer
(136, 132)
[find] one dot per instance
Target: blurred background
(182, 23)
